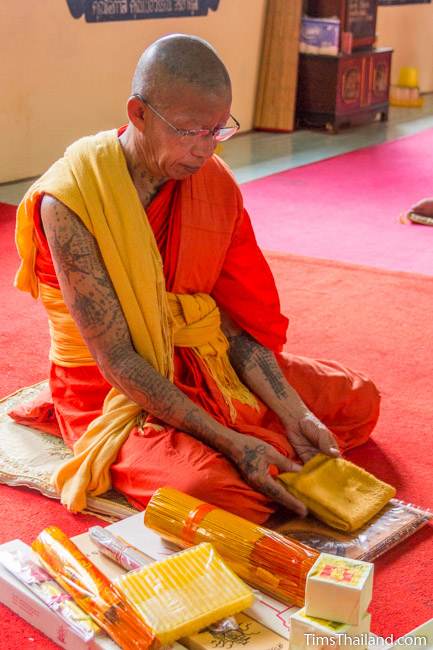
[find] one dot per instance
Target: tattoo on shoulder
(82, 274)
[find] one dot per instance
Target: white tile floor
(256, 154)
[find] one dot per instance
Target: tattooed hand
(260, 371)
(253, 458)
(309, 436)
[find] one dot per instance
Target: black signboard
(96, 11)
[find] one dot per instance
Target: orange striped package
(274, 564)
(91, 590)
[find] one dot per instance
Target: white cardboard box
(339, 589)
(306, 632)
(15, 595)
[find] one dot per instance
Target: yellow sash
(92, 180)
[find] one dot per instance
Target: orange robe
(223, 259)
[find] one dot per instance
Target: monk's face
(170, 155)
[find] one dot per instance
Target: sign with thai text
(96, 11)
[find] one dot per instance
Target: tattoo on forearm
(246, 355)
(159, 396)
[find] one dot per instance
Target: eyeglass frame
(192, 132)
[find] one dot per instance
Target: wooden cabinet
(343, 89)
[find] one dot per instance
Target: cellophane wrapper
(183, 593)
(91, 590)
(272, 563)
(30, 573)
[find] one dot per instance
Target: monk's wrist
(227, 442)
(293, 416)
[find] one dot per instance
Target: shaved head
(179, 60)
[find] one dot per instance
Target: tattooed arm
(259, 370)
(93, 303)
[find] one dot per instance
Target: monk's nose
(204, 146)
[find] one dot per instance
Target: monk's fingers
(278, 493)
(318, 435)
(283, 463)
(302, 446)
(328, 444)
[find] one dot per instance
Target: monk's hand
(254, 459)
(309, 436)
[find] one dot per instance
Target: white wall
(408, 29)
(61, 78)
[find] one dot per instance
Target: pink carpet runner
(347, 208)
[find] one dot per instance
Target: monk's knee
(368, 401)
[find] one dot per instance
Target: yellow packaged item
(341, 494)
(184, 593)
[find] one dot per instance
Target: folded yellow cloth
(341, 494)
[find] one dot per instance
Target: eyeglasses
(219, 133)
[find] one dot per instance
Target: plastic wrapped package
(91, 590)
(183, 593)
(395, 523)
(25, 567)
(131, 559)
(264, 559)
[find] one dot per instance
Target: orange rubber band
(195, 517)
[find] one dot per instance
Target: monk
(166, 362)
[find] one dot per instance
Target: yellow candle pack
(185, 592)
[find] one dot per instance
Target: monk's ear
(136, 112)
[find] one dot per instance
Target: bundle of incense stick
(275, 564)
(91, 590)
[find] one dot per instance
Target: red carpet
(379, 322)
(347, 208)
